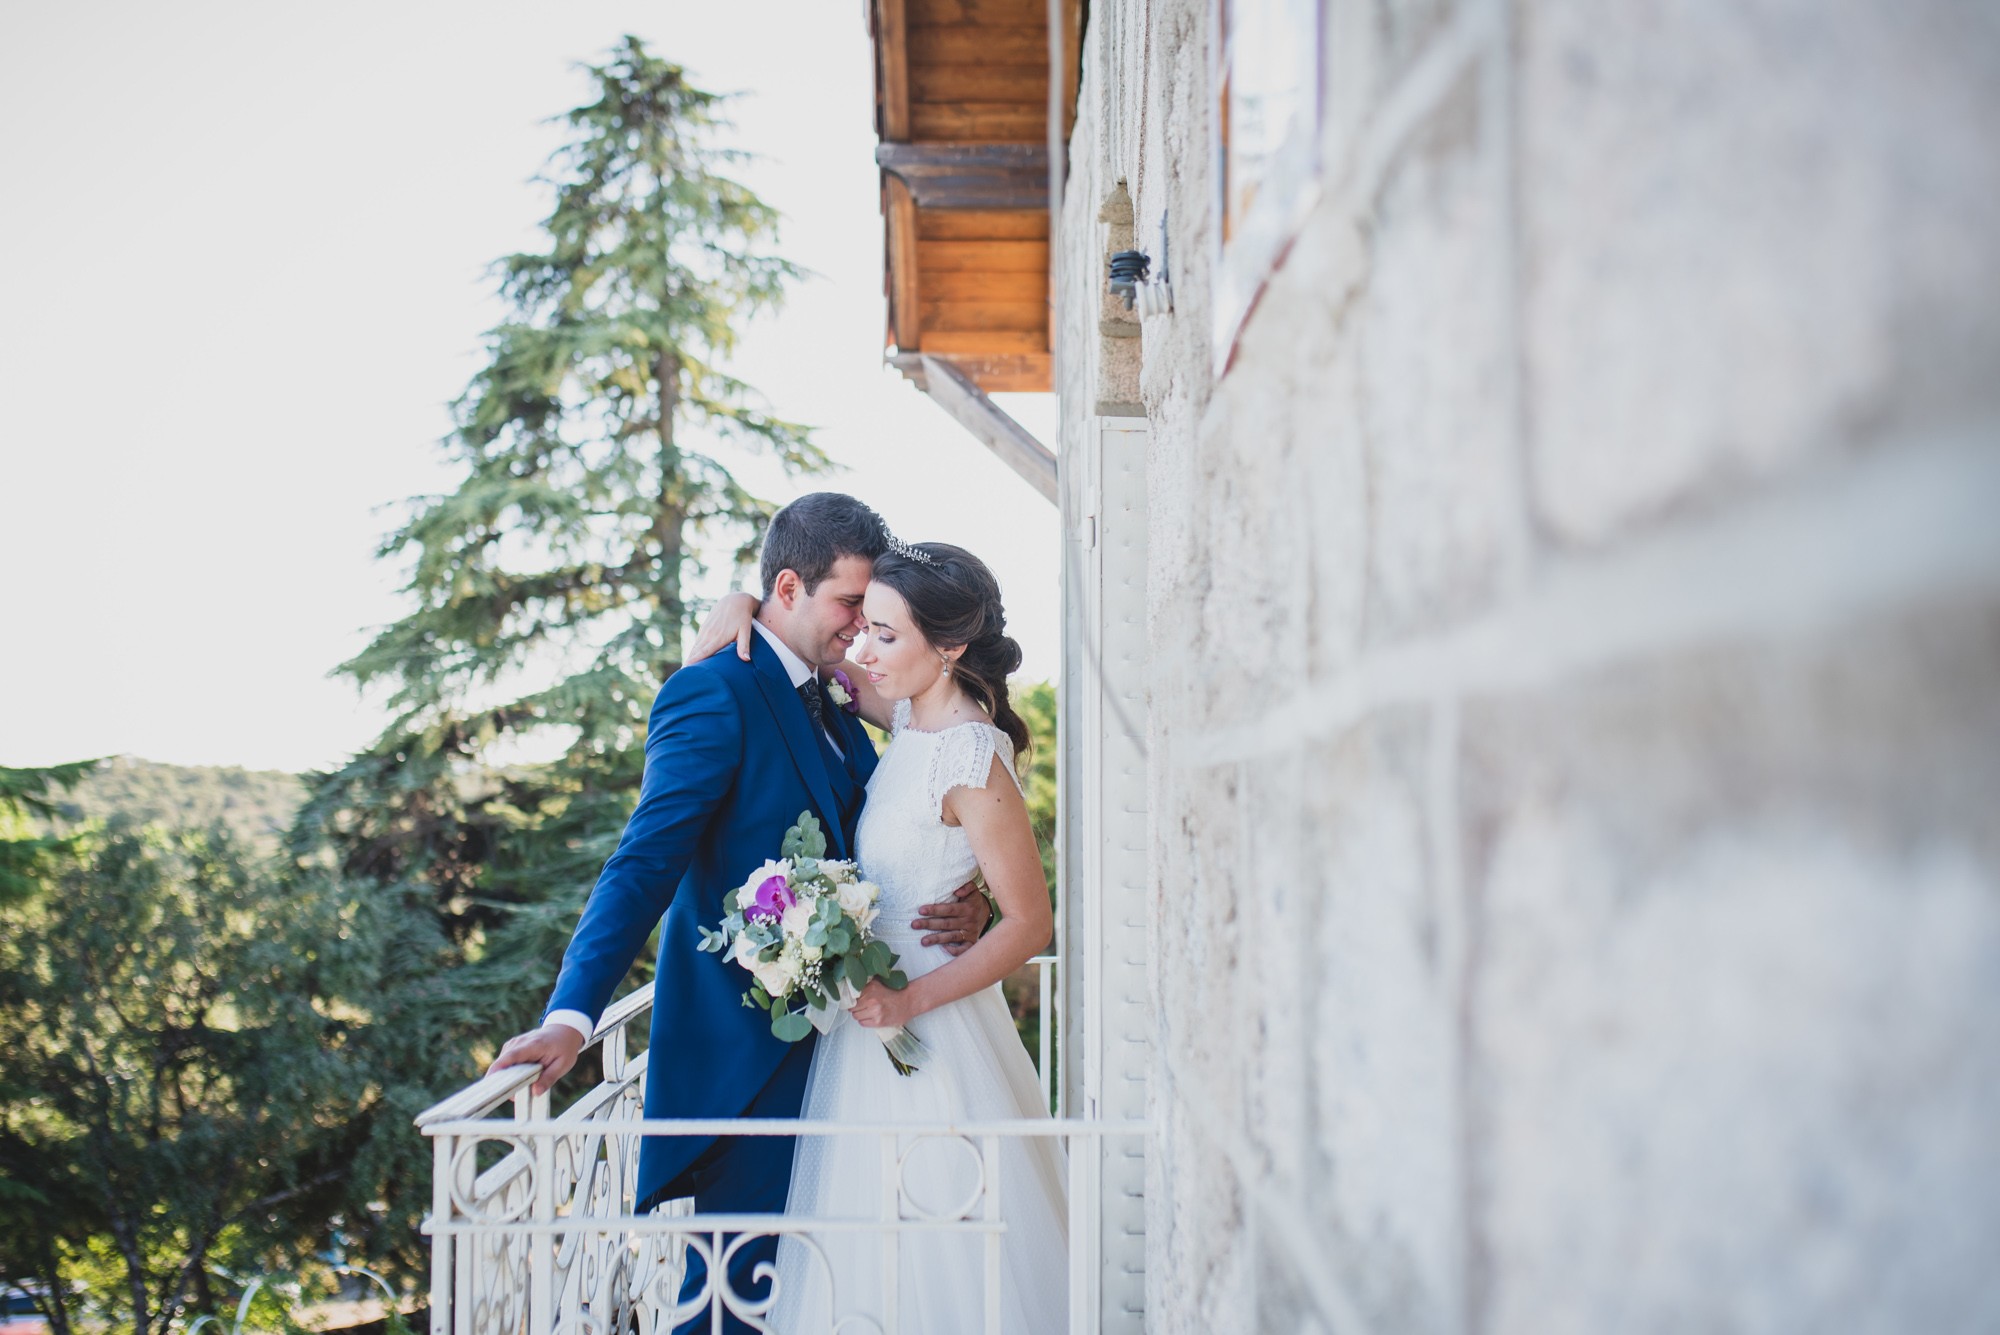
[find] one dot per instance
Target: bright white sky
(245, 249)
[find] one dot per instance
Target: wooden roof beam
(892, 41)
(970, 176)
(986, 420)
(900, 233)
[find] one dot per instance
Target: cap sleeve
(963, 758)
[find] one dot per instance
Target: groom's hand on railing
(956, 923)
(553, 1047)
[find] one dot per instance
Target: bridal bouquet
(800, 926)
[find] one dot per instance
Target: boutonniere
(841, 691)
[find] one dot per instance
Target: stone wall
(1575, 701)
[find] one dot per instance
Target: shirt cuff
(576, 1020)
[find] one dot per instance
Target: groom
(734, 752)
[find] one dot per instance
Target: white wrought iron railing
(533, 1230)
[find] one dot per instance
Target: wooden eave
(961, 108)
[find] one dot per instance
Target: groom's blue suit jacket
(731, 761)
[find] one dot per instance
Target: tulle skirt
(977, 1071)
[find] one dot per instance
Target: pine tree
(549, 589)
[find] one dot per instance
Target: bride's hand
(728, 620)
(882, 1007)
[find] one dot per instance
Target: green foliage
(179, 1073)
(27, 847)
(1036, 704)
(27, 792)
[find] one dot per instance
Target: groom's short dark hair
(816, 530)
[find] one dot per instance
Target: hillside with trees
(255, 806)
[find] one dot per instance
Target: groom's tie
(815, 707)
(844, 785)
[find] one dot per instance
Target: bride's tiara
(906, 551)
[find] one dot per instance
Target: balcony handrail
(764, 1225)
(787, 1126)
(490, 1091)
(547, 1240)
(482, 1096)
(495, 1088)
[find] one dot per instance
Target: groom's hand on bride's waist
(553, 1047)
(957, 922)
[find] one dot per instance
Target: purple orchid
(774, 896)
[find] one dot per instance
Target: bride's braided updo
(954, 600)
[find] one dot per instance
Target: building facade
(1533, 699)
(1530, 840)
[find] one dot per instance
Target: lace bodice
(903, 844)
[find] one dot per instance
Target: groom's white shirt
(800, 673)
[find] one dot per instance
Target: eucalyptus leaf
(804, 840)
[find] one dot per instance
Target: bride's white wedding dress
(977, 1072)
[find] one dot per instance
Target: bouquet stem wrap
(907, 1053)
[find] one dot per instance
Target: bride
(946, 798)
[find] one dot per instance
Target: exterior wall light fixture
(1130, 284)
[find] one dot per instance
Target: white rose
(811, 954)
(838, 693)
(744, 952)
(838, 872)
(776, 975)
(797, 918)
(856, 897)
